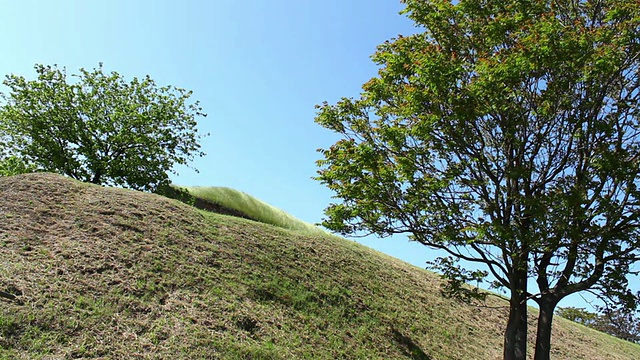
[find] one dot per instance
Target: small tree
(99, 129)
(579, 315)
(506, 134)
(621, 323)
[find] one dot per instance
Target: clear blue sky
(258, 68)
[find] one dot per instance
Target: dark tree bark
(515, 337)
(543, 339)
(97, 178)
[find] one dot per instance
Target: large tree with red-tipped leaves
(505, 133)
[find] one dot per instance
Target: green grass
(252, 208)
(117, 274)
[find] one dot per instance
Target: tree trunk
(97, 177)
(543, 340)
(515, 336)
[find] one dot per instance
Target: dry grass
(107, 273)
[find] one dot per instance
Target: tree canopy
(507, 134)
(621, 323)
(13, 165)
(99, 128)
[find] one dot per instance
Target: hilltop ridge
(112, 274)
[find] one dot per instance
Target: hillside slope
(117, 274)
(244, 205)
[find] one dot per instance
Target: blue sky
(258, 67)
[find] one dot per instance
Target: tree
(621, 323)
(13, 165)
(506, 134)
(99, 129)
(579, 315)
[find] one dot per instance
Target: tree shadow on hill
(183, 195)
(409, 347)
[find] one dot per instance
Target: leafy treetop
(100, 128)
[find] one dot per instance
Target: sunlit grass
(253, 208)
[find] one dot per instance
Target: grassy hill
(106, 273)
(249, 207)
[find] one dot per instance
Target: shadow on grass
(409, 347)
(183, 195)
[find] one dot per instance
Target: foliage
(13, 165)
(506, 134)
(100, 128)
(621, 323)
(579, 315)
(457, 287)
